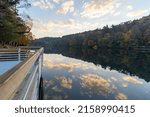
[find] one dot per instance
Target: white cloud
(65, 24)
(66, 7)
(129, 7)
(98, 8)
(41, 29)
(137, 13)
(71, 24)
(117, 13)
(60, 28)
(58, 1)
(44, 4)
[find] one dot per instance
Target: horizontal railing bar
(3, 60)
(10, 52)
(13, 55)
(11, 58)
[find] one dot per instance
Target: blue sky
(55, 18)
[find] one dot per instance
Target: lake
(87, 74)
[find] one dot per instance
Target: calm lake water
(96, 74)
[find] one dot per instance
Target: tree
(13, 27)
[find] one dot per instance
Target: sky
(55, 18)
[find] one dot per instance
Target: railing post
(19, 52)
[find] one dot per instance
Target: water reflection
(95, 84)
(133, 62)
(121, 96)
(132, 80)
(69, 78)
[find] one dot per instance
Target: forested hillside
(129, 34)
(15, 29)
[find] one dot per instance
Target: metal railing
(23, 80)
(16, 54)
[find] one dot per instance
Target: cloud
(58, 1)
(66, 7)
(44, 4)
(98, 8)
(137, 13)
(129, 7)
(60, 28)
(66, 23)
(41, 29)
(117, 13)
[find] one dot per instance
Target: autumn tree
(14, 29)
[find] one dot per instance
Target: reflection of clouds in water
(48, 63)
(121, 96)
(53, 57)
(114, 79)
(67, 66)
(124, 85)
(61, 62)
(65, 82)
(96, 84)
(132, 80)
(48, 82)
(86, 77)
(57, 88)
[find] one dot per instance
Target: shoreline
(6, 46)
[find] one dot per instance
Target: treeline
(125, 35)
(15, 29)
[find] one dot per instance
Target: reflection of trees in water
(127, 61)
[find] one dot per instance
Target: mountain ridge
(125, 35)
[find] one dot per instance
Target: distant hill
(129, 34)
